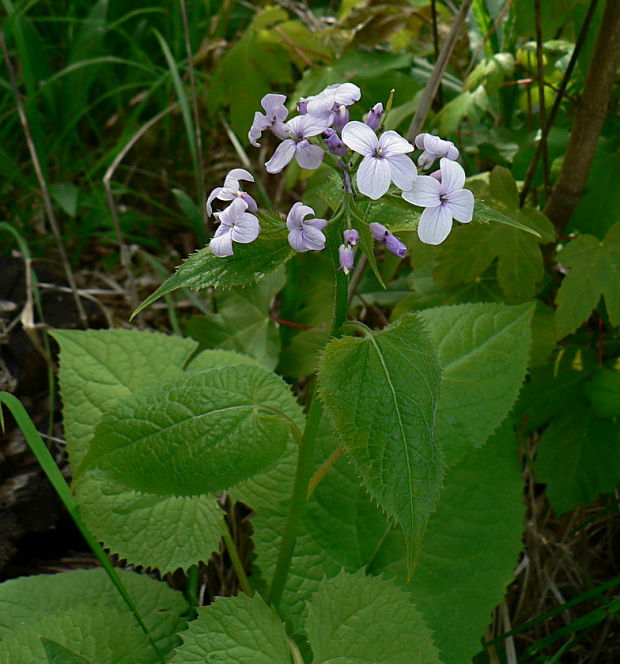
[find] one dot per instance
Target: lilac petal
(345, 258)
(281, 157)
(452, 175)
(296, 240)
(251, 203)
(403, 171)
(345, 93)
(425, 192)
(295, 217)
(304, 126)
(461, 204)
(453, 152)
(221, 245)
(360, 138)
(246, 229)
(373, 176)
(379, 231)
(313, 238)
(274, 106)
(319, 104)
(435, 224)
(232, 179)
(419, 141)
(392, 143)
(212, 196)
(315, 223)
(231, 214)
(395, 246)
(373, 118)
(260, 124)
(426, 159)
(228, 194)
(308, 156)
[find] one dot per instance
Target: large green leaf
(196, 434)
(595, 272)
(246, 266)
(483, 350)
(57, 654)
(234, 630)
(381, 392)
(358, 619)
(83, 611)
(98, 368)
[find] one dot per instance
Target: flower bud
(302, 107)
(345, 256)
(333, 143)
(351, 237)
(392, 243)
(341, 116)
(373, 118)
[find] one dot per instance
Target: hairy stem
(589, 119)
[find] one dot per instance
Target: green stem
(236, 560)
(57, 480)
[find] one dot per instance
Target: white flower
(299, 129)
(235, 225)
(384, 159)
(434, 148)
(272, 119)
(444, 200)
(232, 189)
(338, 94)
(305, 234)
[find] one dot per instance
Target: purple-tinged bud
(252, 207)
(351, 236)
(302, 107)
(437, 175)
(345, 256)
(341, 116)
(373, 118)
(392, 243)
(333, 143)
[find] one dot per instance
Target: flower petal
(259, 125)
(419, 141)
(232, 179)
(304, 126)
(221, 245)
(373, 176)
(281, 157)
(452, 175)
(461, 204)
(392, 143)
(360, 138)
(315, 223)
(425, 192)
(246, 229)
(295, 217)
(435, 224)
(274, 106)
(308, 156)
(229, 216)
(346, 93)
(212, 196)
(403, 171)
(314, 239)
(296, 240)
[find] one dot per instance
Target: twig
(438, 71)
(561, 93)
(107, 180)
(589, 119)
(436, 46)
(47, 202)
(192, 84)
(542, 111)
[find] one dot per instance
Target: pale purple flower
(236, 225)
(309, 156)
(434, 148)
(374, 115)
(444, 200)
(333, 143)
(232, 190)
(272, 119)
(391, 242)
(384, 159)
(345, 257)
(305, 234)
(334, 96)
(351, 236)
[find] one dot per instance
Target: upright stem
(235, 559)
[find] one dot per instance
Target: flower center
(378, 152)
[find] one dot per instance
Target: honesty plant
(354, 559)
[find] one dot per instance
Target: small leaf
(381, 392)
(234, 630)
(248, 265)
(57, 654)
(486, 214)
(358, 619)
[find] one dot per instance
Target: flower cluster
(381, 159)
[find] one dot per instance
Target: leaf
(381, 392)
(197, 434)
(483, 350)
(66, 195)
(469, 104)
(357, 619)
(82, 611)
(98, 368)
(57, 654)
(603, 392)
(242, 322)
(578, 457)
(595, 272)
(248, 265)
(192, 214)
(477, 526)
(234, 630)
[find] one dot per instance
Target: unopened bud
(351, 236)
(391, 242)
(373, 118)
(341, 117)
(302, 107)
(333, 143)
(345, 256)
